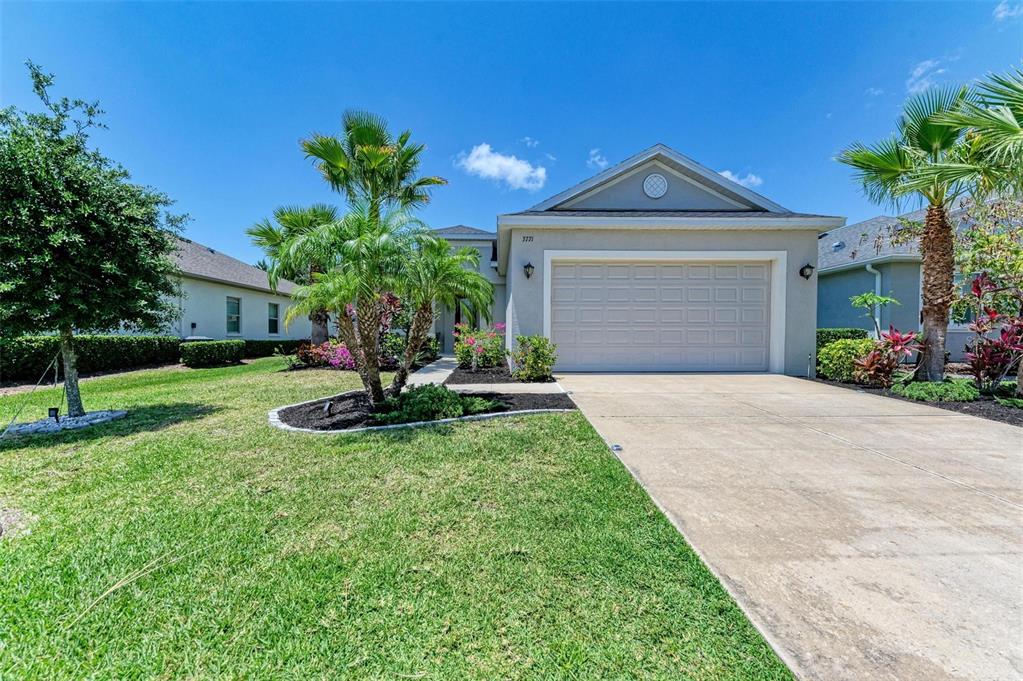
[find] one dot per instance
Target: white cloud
(596, 159)
(874, 92)
(1006, 11)
(551, 157)
(749, 180)
(484, 162)
(530, 142)
(922, 76)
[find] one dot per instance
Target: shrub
(1013, 402)
(267, 348)
(331, 354)
(212, 353)
(26, 357)
(431, 403)
(534, 358)
(828, 336)
(949, 390)
(479, 348)
(836, 360)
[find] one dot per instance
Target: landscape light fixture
(54, 413)
(528, 269)
(806, 271)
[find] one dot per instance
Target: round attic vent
(655, 186)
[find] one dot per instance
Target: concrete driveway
(867, 538)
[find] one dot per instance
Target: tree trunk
(367, 327)
(1019, 379)
(350, 338)
(413, 342)
(938, 281)
(320, 333)
(74, 397)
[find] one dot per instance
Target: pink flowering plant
(997, 347)
(477, 349)
(330, 354)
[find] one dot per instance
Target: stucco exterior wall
(834, 291)
(204, 303)
(627, 194)
(525, 303)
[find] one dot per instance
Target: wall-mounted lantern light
(806, 271)
(528, 269)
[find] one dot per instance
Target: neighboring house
(861, 257)
(223, 297)
(486, 243)
(661, 264)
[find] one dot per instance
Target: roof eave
(881, 259)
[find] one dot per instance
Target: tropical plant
(368, 164)
(830, 335)
(367, 255)
(992, 159)
(997, 347)
(872, 304)
(430, 403)
(276, 238)
(436, 274)
(900, 167)
(877, 367)
(949, 390)
(82, 249)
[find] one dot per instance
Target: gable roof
(464, 232)
(714, 182)
(871, 241)
(202, 262)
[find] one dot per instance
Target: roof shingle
(201, 261)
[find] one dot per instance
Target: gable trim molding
(713, 178)
(643, 167)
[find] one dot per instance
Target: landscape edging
(275, 420)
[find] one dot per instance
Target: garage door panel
(673, 316)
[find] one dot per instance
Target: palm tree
(366, 255)
(436, 274)
(365, 163)
(276, 239)
(901, 167)
(992, 159)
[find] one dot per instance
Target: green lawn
(193, 540)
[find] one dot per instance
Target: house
(223, 297)
(660, 264)
(870, 256)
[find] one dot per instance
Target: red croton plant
(877, 367)
(997, 348)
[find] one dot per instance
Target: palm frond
(922, 129)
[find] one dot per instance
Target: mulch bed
(353, 410)
(985, 407)
(499, 374)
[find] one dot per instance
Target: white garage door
(670, 316)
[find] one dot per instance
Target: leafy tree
(84, 249)
(436, 274)
(990, 246)
(900, 167)
(872, 304)
(366, 254)
(275, 238)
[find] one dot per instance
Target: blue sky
(207, 102)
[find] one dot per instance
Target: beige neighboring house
(223, 297)
(661, 264)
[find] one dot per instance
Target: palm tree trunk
(74, 397)
(368, 330)
(938, 280)
(346, 329)
(319, 333)
(413, 342)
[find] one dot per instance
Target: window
(273, 318)
(234, 315)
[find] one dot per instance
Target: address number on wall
(527, 239)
